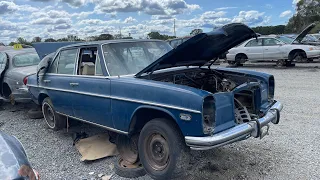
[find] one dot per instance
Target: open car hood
(202, 48)
(45, 48)
(303, 34)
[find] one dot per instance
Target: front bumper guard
(239, 132)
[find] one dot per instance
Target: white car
(269, 48)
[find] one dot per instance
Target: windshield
(23, 60)
(310, 38)
(285, 39)
(317, 36)
(131, 57)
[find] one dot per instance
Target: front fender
(137, 120)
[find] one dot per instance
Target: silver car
(279, 48)
(15, 65)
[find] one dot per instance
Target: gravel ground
(291, 151)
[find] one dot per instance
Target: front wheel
(54, 120)
(162, 150)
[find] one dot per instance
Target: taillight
(25, 80)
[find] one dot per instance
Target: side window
(66, 62)
(271, 42)
(89, 62)
(254, 43)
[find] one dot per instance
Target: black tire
(1, 102)
(239, 59)
(298, 57)
(162, 137)
(35, 114)
(53, 120)
(131, 171)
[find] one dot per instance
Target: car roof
(109, 42)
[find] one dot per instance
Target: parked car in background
(14, 163)
(316, 36)
(15, 66)
(304, 37)
(177, 41)
(272, 48)
(163, 100)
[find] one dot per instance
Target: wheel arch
(6, 90)
(241, 54)
(41, 97)
(292, 52)
(147, 113)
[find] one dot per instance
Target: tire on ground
(177, 161)
(58, 121)
(123, 169)
(35, 114)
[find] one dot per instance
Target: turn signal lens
(25, 80)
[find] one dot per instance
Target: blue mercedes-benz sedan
(161, 101)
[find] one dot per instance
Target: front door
(92, 90)
(58, 81)
(253, 49)
(271, 49)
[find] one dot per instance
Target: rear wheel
(162, 149)
(240, 59)
(54, 120)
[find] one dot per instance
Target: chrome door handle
(46, 81)
(74, 84)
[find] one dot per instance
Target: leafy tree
(265, 30)
(36, 39)
(157, 35)
(50, 40)
(12, 43)
(104, 37)
(21, 40)
(308, 11)
(196, 31)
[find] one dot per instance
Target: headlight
(208, 115)
(271, 88)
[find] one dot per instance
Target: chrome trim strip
(105, 127)
(233, 134)
(120, 98)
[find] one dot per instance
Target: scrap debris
(96, 147)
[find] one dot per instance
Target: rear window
(23, 60)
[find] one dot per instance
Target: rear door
(58, 80)
(91, 100)
(254, 50)
(272, 49)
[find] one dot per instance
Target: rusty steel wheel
(157, 151)
(128, 148)
(162, 150)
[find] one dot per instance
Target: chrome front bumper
(239, 132)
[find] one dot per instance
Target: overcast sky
(59, 18)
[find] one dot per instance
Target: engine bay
(214, 82)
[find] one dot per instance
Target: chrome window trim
(121, 99)
(106, 127)
(104, 60)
